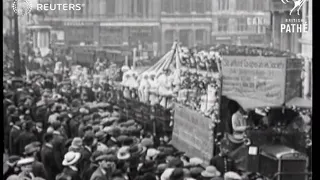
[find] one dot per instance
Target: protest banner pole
(215, 129)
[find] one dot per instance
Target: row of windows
(223, 4)
(186, 6)
(201, 6)
(257, 5)
(201, 36)
(242, 26)
(107, 8)
(143, 8)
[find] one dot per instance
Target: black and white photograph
(157, 89)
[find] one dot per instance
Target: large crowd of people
(56, 128)
(64, 122)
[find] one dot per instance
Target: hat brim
(74, 160)
(210, 175)
(141, 151)
(236, 138)
(26, 161)
(33, 150)
(123, 157)
(102, 158)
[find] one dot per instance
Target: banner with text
(192, 133)
(255, 77)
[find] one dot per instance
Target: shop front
(79, 32)
(145, 39)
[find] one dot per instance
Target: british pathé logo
(296, 24)
(297, 5)
(21, 7)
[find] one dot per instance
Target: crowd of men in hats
(51, 133)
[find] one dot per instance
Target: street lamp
(14, 16)
(10, 16)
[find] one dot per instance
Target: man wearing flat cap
(89, 140)
(26, 137)
(106, 167)
(52, 165)
(31, 151)
(58, 143)
(12, 166)
(93, 165)
(14, 134)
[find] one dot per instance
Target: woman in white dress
(154, 87)
(144, 88)
(165, 87)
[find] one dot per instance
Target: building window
(43, 39)
(147, 9)
(260, 29)
(199, 6)
(139, 8)
(223, 4)
(208, 5)
(132, 9)
(94, 9)
(242, 25)
(167, 6)
(223, 24)
(307, 14)
(200, 37)
(110, 36)
(184, 37)
(185, 6)
(79, 13)
(111, 6)
(258, 5)
(176, 5)
(168, 37)
(103, 9)
(242, 5)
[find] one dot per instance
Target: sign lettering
(261, 78)
(191, 133)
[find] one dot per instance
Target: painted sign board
(192, 133)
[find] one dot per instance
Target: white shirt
(239, 123)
